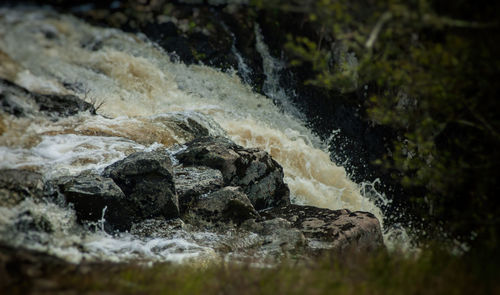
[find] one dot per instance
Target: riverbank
(432, 272)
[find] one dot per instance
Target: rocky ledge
(211, 185)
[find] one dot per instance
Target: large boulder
(227, 204)
(16, 185)
(252, 169)
(327, 229)
(192, 182)
(146, 179)
(95, 197)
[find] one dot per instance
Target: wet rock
(252, 169)
(158, 228)
(331, 229)
(278, 235)
(190, 125)
(146, 178)
(17, 185)
(192, 182)
(229, 203)
(27, 221)
(18, 101)
(62, 105)
(94, 197)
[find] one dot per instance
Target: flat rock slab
(331, 229)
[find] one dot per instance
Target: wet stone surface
(254, 170)
(17, 185)
(146, 179)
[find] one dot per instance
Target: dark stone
(18, 101)
(178, 45)
(62, 105)
(252, 169)
(192, 182)
(332, 229)
(229, 203)
(147, 180)
(90, 194)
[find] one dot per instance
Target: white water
(143, 93)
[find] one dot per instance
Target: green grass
(433, 272)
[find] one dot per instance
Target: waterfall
(143, 93)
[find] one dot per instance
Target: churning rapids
(142, 92)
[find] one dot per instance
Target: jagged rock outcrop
(146, 179)
(136, 188)
(219, 184)
(252, 169)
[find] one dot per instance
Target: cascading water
(143, 93)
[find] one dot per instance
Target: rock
(189, 125)
(332, 229)
(278, 235)
(146, 178)
(27, 221)
(18, 101)
(229, 203)
(192, 182)
(62, 105)
(158, 228)
(16, 185)
(252, 169)
(94, 196)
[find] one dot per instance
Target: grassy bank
(433, 272)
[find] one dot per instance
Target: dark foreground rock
(252, 169)
(146, 179)
(18, 101)
(95, 197)
(136, 188)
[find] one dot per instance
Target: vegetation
(428, 69)
(433, 272)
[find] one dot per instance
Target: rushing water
(143, 93)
